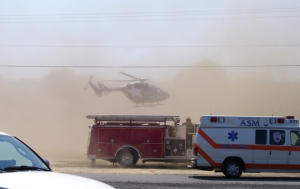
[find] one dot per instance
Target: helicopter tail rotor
(97, 90)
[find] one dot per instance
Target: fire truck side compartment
(105, 142)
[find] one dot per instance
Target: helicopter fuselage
(144, 93)
(138, 92)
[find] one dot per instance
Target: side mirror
(46, 162)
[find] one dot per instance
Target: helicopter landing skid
(147, 105)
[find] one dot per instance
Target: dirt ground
(105, 167)
(148, 168)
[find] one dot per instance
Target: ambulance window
(295, 138)
(277, 137)
(261, 137)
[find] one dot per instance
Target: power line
(73, 16)
(145, 14)
(172, 12)
(148, 46)
(148, 20)
(148, 67)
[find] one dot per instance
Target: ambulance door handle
(270, 152)
(290, 153)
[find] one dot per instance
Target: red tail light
(195, 151)
(280, 120)
(213, 119)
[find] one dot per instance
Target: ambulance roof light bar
(217, 119)
(289, 117)
(272, 120)
(276, 120)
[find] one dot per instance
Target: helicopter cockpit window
(129, 86)
(140, 85)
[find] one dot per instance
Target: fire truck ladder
(134, 118)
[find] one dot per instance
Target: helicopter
(138, 92)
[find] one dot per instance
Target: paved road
(126, 181)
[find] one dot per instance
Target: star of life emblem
(277, 136)
(233, 136)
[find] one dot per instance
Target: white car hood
(47, 180)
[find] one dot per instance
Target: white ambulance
(233, 144)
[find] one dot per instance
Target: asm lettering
(250, 123)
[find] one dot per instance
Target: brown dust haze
(49, 114)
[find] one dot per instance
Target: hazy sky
(143, 33)
(150, 33)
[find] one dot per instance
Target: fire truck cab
(127, 138)
(233, 144)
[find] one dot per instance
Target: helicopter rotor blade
(130, 76)
(140, 79)
(118, 80)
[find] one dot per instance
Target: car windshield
(16, 156)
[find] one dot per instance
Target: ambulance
(236, 144)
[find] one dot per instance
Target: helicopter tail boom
(103, 88)
(97, 90)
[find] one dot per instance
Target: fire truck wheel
(232, 168)
(127, 158)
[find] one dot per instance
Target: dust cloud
(49, 114)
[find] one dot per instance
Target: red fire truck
(127, 138)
